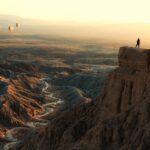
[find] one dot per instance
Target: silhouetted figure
(138, 43)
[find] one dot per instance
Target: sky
(79, 10)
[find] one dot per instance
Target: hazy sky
(79, 10)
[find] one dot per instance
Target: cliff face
(119, 120)
(129, 84)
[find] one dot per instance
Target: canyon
(117, 120)
(42, 79)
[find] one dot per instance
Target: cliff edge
(135, 58)
(119, 120)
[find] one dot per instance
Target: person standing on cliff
(138, 43)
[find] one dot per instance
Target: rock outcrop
(129, 84)
(135, 58)
(119, 120)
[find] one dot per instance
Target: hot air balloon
(10, 28)
(17, 25)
